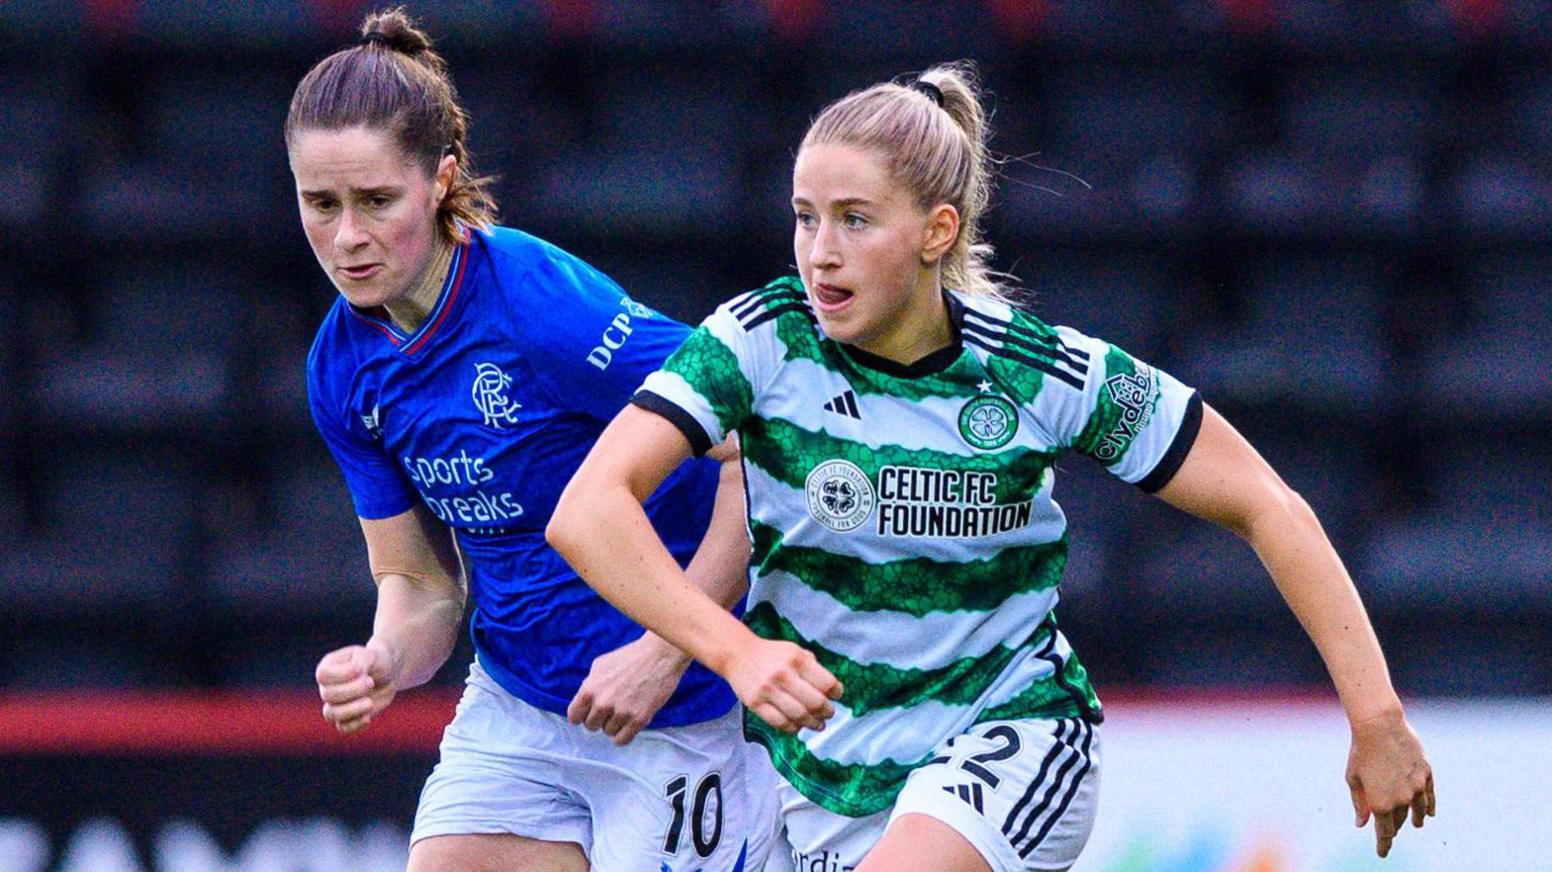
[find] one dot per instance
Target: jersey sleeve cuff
(377, 510)
(700, 441)
(1185, 437)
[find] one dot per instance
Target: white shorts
(677, 799)
(1024, 793)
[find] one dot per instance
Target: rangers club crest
(839, 495)
(490, 395)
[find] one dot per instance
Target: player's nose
(350, 233)
(823, 253)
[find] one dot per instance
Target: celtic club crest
(839, 495)
(988, 422)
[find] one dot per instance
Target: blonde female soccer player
(899, 424)
(459, 379)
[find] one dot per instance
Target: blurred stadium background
(1332, 217)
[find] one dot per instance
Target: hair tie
(931, 90)
(374, 36)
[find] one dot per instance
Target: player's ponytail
(932, 134)
(393, 80)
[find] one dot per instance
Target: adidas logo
(845, 404)
(970, 793)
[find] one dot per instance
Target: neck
(922, 329)
(411, 311)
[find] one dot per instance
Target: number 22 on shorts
(976, 764)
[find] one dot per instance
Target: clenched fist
(356, 682)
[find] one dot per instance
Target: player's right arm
(420, 599)
(600, 527)
(420, 591)
(625, 687)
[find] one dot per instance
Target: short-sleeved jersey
(484, 414)
(902, 517)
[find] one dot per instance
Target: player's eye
(378, 201)
(852, 219)
(805, 219)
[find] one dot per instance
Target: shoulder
(514, 254)
(1024, 342)
(780, 301)
(335, 343)
(341, 349)
(536, 274)
(512, 246)
(995, 318)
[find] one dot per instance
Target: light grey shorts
(677, 799)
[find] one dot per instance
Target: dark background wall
(1332, 217)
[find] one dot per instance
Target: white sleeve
(708, 387)
(1137, 420)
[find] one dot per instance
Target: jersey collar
(409, 343)
(933, 363)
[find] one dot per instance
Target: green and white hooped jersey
(902, 519)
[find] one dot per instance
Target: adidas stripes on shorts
(1024, 793)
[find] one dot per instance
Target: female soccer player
(459, 378)
(900, 423)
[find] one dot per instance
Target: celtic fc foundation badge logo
(988, 422)
(839, 495)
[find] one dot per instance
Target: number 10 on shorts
(699, 812)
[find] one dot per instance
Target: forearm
(605, 535)
(720, 567)
(418, 621)
(1311, 578)
(721, 563)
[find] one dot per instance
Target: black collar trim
(933, 363)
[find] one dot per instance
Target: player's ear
(446, 174)
(941, 232)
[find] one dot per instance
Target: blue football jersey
(484, 414)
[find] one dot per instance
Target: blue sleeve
(377, 486)
(593, 343)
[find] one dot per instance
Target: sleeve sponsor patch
(1134, 396)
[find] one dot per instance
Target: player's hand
(1388, 776)
(625, 687)
(784, 685)
(355, 682)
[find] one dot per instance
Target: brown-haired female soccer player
(456, 385)
(900, 424)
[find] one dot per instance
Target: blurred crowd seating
(1332, 217)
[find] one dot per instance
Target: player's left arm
(1224, 480)
(625, 687)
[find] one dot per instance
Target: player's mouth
(364, 271)
(829, 298)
